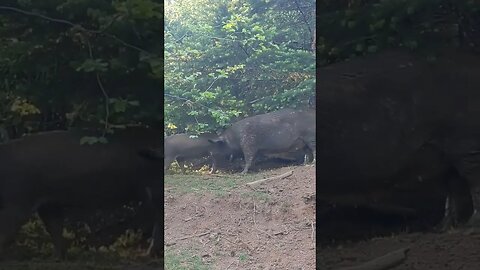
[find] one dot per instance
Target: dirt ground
(453, 250)
(354, 237)
(217, 222)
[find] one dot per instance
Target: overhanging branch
(77, 26)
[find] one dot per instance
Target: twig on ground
(281, 176)
(239, 240)
(384, 262)
(269, 235)
(205, 243)
(230, 265)
(194, 235)
(228, 240)
(247, 245)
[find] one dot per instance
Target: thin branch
(212, 37)
(212, 83)
(303, 16)
(107, 107)
(100, 85)
(126, 44)
(78, 26)
(110, 23)
(244, 50)
(187, 100)
(40, 16)
(181, 38)
(191, 101)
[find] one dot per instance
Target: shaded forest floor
(27, 255)
(452, 250)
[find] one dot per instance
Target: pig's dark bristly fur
(378, 113)
(274, 132)
(181, 147)
(51, 172)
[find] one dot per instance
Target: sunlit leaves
(224, 57)
(93, 65)
(139, 9)
(23, 107)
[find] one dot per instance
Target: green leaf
(93, 65)
(372, 48)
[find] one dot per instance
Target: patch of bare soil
(447, 251)
(272, 228)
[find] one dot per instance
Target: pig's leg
(308, 156)
(249, 155)
(11, 218)
(469, 168)
(181, 164)
(214, 164)
(155, 203)
(450, 217)
(156, 248)
(52, 217)
(168, 161)
(312, 146)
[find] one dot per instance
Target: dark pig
(297, 152)
(182, 147)
(273, 132)
(52, 172)
(377, 112)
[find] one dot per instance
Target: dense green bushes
(62, 61)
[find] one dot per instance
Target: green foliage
(351, 28)
(184, 259)
(126, 242)
(243, 257)
(34, 241)
(33, 236)
(93, 65)
(57, 70)
(198, 183)
(230, 59)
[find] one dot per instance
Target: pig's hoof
(470, 231)
(442, 227)
(474, 222)
(154, 250)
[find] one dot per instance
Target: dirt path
(448, 251)
(269, 226)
